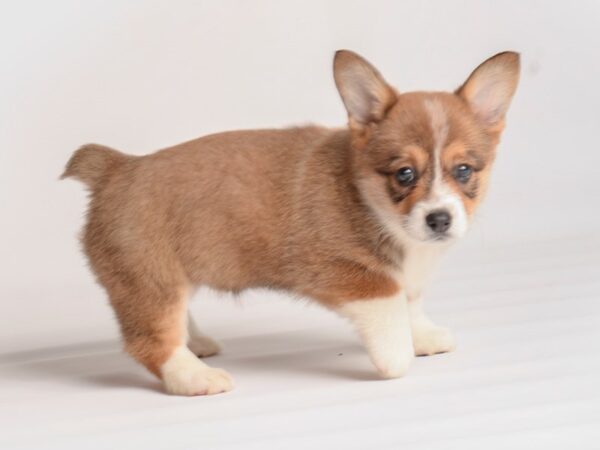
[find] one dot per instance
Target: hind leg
(153, 323)
(184, 374)
(200, 344)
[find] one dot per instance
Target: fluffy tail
(93, 163)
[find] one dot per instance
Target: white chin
(428, 238)
(445, 239)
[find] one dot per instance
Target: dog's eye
(406, 176)
(463, 173)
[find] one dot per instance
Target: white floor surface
(526, 373)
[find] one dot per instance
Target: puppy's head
(421, 160)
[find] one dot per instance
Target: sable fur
(290, 209)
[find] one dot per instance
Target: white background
(139, 76)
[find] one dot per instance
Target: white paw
(184, 374)
(203, 346)
(394, 366)
(197, 381)
(431, 340)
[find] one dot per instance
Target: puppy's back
(217, 204)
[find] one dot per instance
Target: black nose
(438, 221)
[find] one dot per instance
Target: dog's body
(352, 218)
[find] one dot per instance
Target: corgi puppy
(352, 218)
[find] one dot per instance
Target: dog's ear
(366, 95)
(490, 88)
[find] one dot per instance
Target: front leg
(428, 338)
(384, 326)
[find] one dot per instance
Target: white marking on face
(412, 229)
(439, 128)
(441, 196)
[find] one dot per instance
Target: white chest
(418, 265)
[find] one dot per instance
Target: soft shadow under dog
(104, 364)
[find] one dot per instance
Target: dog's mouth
(439, 239)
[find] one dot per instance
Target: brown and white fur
(352, 218)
